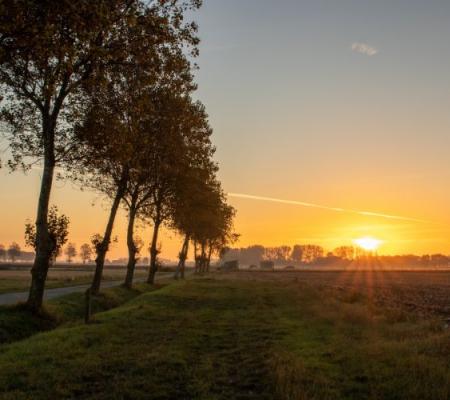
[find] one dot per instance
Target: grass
(17, 323)
(233, 339)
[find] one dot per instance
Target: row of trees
(103, 90)
(12, 253)
(85, 252)
(306, 254)
(313, 254)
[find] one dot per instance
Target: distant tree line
(302, 254)
(13, 253)
(102, 93)
(316, 255)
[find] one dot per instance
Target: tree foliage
(2, 252)
(85, 252)
(70, 251)
(14, 251)
(105, 91)
(58, 226)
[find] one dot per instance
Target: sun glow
(368, 243)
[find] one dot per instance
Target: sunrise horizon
(379, 224)
(225, 199)
(325, 132)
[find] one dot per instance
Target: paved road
(13, 298)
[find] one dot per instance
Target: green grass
(17, 323)
(220, 339)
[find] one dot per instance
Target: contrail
(337, 209)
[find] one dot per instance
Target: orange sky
(258, 221)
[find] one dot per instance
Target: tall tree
(204, 217)
(49, 52)
(182, 149)
(115, 131)
(216, 225)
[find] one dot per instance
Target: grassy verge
(222, 339)
(17, 323)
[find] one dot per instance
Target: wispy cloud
(337, 209)
(364, 48)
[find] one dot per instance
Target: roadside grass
(232, 339)
(17, 323)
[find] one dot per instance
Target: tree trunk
(130, 243)
(44, 243)
(208, 260)
(196, 258)
(203, 258)
(103, 247)
(153, 253)
(182, 262)
(183, 265)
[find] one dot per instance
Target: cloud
(364, 48)
(337, 209)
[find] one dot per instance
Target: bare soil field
(423, 292)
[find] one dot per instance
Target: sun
(368, 243)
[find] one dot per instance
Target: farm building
(230, 266)
(267, 265)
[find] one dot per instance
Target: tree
(345, 252)
(14, 251)
(111, 132)
(58, 231)
(297, 253)
(307, 254)
(70, 252)
(187, 205)
(2, 252)
(85, 252)
(182, 145)
(49, 53)
(159, 151)
(222, 233)
(311, 253)
(182, 164)
(438, 260)
(283, 253)
(212, 223)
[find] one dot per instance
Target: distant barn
(267, 265)
(230, 266)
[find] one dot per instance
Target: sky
(342, 104)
